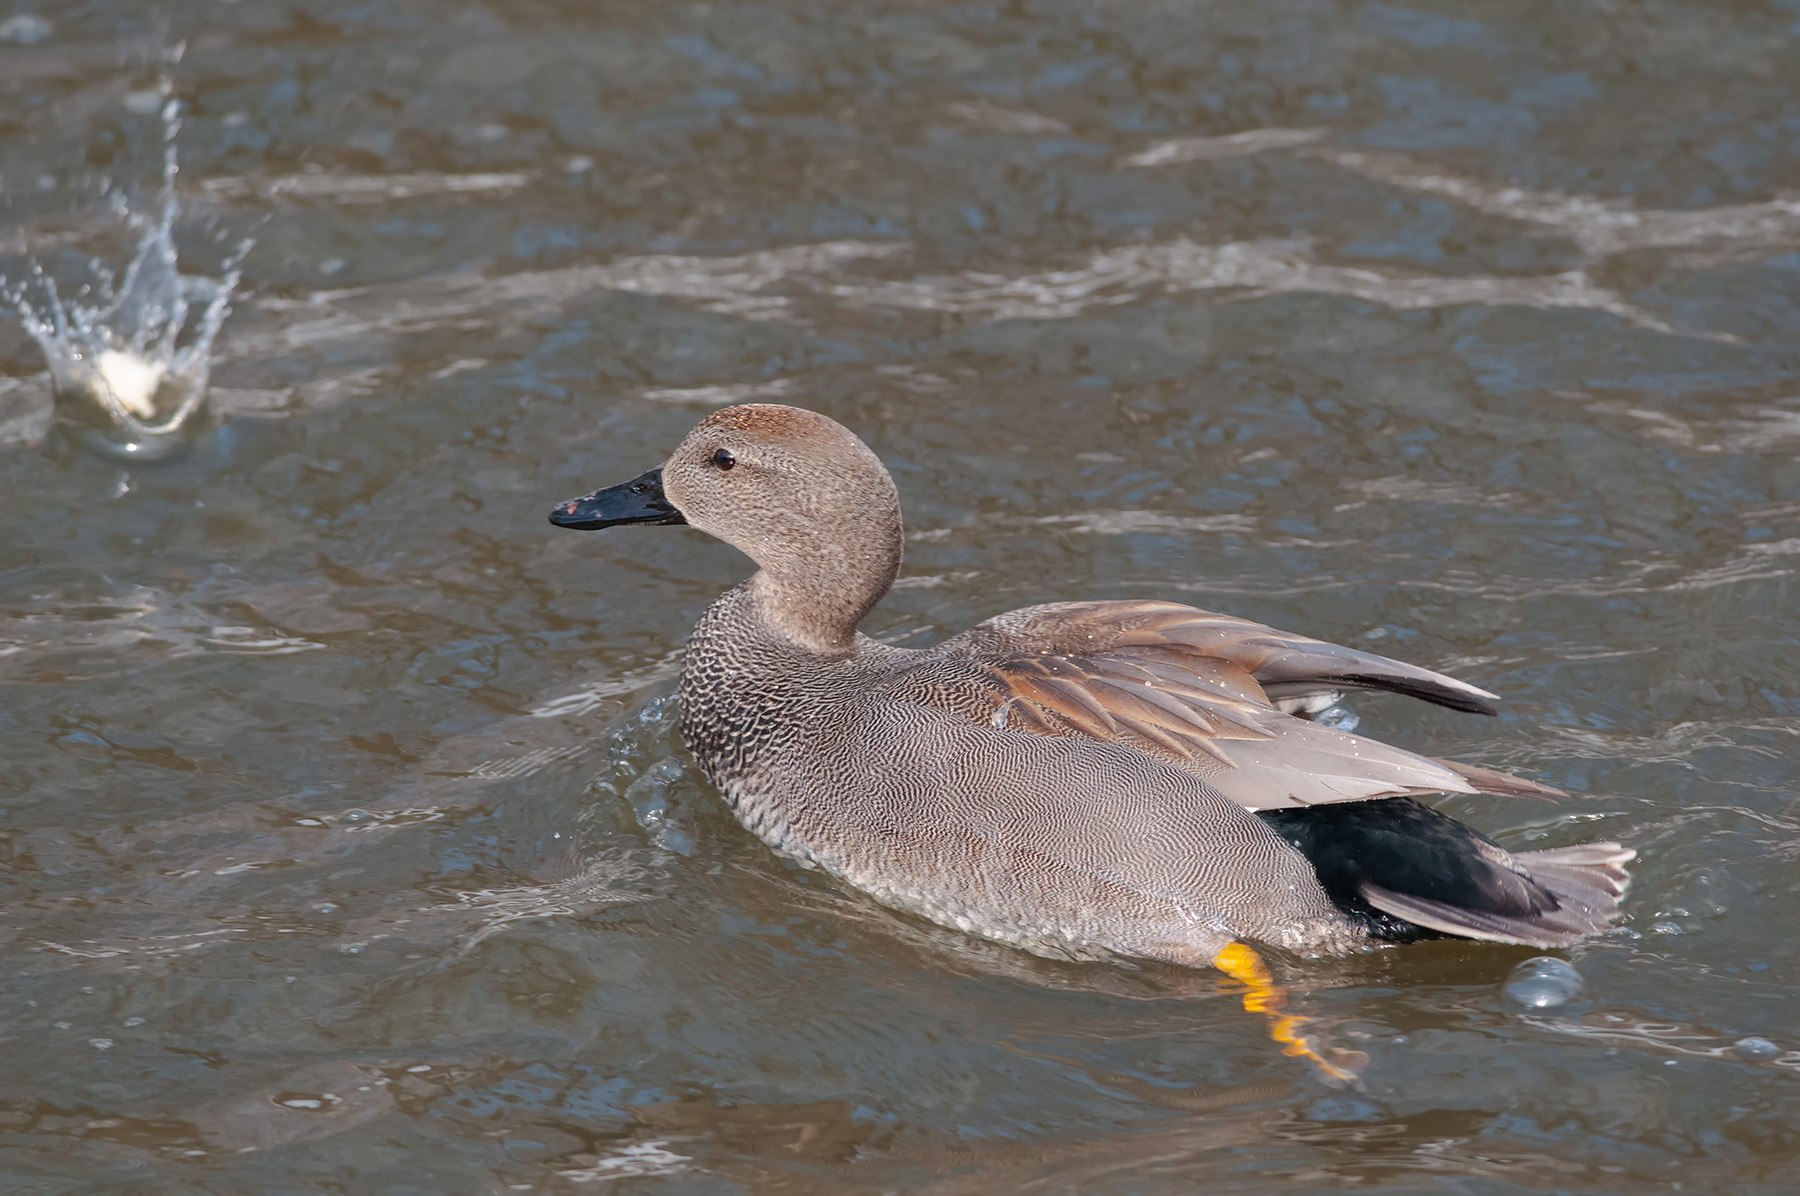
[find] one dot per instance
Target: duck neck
(815, 600)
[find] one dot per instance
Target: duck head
(795, 491)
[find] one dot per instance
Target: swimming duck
(1084, 780)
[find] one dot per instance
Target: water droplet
(133, 1021)
(325, 907)
(1756, 1048)
(353, 948)
(1544, 983)
(101, 1044)
(129, 354)
(133, 380)
(355, 817)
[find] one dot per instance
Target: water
(129, 356)
(341, 798)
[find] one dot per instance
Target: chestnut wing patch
(1199, 690)
(1174, 709)
(1282, 664)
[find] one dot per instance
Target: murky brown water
(347, 842)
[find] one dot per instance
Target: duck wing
(1203, 691)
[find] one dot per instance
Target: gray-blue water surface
(346, 842)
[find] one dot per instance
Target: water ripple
(1242, 269)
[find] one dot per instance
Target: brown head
(794, 491)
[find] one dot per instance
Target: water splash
(129, 357)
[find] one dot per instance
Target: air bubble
(1544, 983)
(1756, 1048)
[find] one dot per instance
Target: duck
(1134, 780)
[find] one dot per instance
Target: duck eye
(723, 459)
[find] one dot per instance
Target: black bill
(640, 500)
